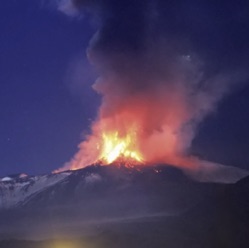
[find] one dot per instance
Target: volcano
(115, 198)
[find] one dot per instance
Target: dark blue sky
(41, 117)
(43, 111)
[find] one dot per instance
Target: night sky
(46, 99)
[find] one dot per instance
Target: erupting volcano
(152, 125)
(145, 118)
(154, 90)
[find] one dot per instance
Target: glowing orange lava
(115, 148)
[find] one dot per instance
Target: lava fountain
(141, 128)
(116, 148)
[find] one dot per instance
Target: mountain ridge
(110, 197)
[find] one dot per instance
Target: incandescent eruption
(150, 121)
(155, 87)
(115, 147)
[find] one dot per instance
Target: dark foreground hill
(156, 207)
(97, 195)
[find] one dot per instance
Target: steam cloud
(156, 68)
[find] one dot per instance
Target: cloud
(217, 173)
(67, 7)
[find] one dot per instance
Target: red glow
(139, 130)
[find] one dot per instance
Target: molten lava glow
(137, 129)
(115, 148)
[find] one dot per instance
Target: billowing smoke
(157, 77)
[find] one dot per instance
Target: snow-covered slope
(70, 186)
(15, 189)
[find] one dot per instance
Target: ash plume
(156, 70)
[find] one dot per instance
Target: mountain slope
(77, 202)
(16, 189)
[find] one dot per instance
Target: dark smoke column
(155, 87)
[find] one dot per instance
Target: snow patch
(14, 191)
(93, 178)
(6, 179)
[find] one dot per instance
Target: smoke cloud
(159, 70)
